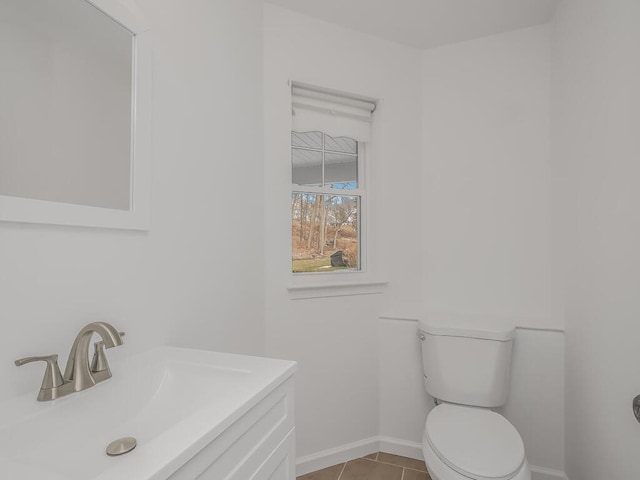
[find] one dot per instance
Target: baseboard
(540, 473)
(351, 451)
(334, 456)
(400, 447)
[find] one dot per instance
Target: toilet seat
(475, 442)
(438, 470)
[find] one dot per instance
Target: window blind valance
(334, 113)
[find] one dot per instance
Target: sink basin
(174, 401)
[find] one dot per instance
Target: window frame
(363, 206)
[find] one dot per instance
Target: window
(328, 190)
(326, 202)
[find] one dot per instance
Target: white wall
(404, 403)
(486, 176)
(196, 277)
(335, 339)
(595, 155)
(486, 217)
(536, 399)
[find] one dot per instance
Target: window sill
(345, 289)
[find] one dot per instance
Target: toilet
(467, 365)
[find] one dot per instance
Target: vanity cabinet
(260, 445)
(195, 414)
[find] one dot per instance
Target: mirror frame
(16, 209)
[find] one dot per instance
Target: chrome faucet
(79, 373)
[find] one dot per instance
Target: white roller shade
(334, 113)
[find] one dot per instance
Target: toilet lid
(475, 442)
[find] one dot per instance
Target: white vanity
(195, 415)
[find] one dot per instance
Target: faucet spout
(78, 369)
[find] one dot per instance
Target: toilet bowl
(462, 443)
(467, 365)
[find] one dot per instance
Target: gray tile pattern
(377, 466)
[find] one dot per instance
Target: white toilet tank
(466, 359)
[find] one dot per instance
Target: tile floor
(377, 466)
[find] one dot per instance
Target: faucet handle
(99, 362)
(52, 376)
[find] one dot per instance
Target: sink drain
(121, 446)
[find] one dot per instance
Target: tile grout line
(395, 465)
(412, 469)
(342, 471)
(403, 469)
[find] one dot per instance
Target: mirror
(74, 121)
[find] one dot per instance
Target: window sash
(363, 212)
(360, 221)
(360, 168)
(343, 192)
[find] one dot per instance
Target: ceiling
(427, 23)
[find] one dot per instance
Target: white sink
(173, 401)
